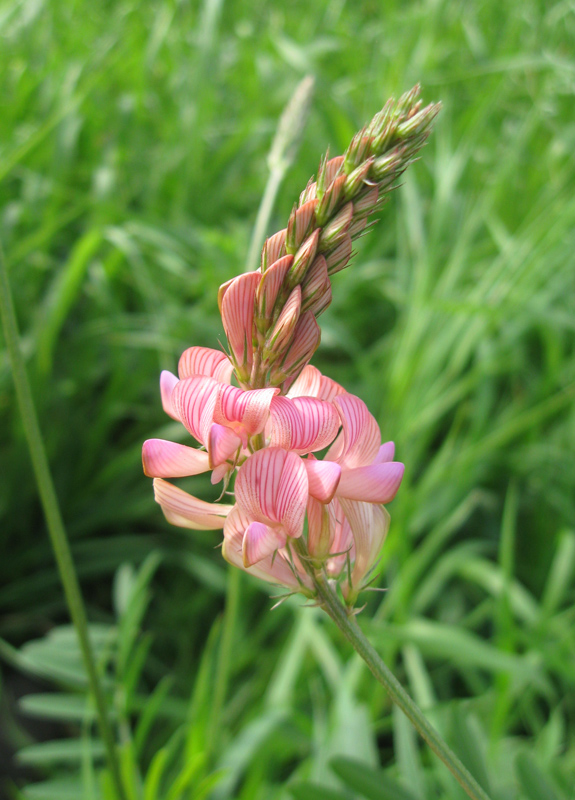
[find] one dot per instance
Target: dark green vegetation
(133, 158)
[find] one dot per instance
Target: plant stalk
(349, 627)
(54, 521)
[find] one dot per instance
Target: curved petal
(164, 459)
(168, 382)
(319, 530)
(269, 286)
(186, 511)
(223, 443)
(260, 541)
(302, 424)
(194, 400)
(329, 389)
(342, 544)
(272, 486)
(207, 362)
(376, 483)
(361, 435)
(369, 525)
(306, 338)
(283, 330)
(385, 453)
(307, 384)
(323, 478)
(249, 409)
(238, 315)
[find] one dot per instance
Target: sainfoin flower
(293, 518)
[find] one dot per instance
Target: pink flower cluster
(282, 491)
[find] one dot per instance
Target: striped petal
(385, 453)
(163, 459)
(319, 530)
(303, 424)
(223, 443)
(361, 438)
(369, 525)
(307, 384)
(186, 511)
(305, 342)
(269, 286)
(260, 541)
(246, 411)
(167, 383)
(342, 545)
(376, 483)
(238, 315)
(323, 478)
(207, 362)
(286, 323)
(194, 400)
(272, 486)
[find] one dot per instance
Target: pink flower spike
(249, 410)
(303, 424)
(269, 285)
(238, 315)
(194, 400)
(207, 362)
(167, 383)
(181, 509)
(305, 342)
(222, 444)
(361, 435)
(386, 453)
(287, 320)
(163, 459)
(323, 478)
(272, 486)
(376, 483)
(260, 541)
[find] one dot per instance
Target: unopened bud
(273, 248)
(338, 258)
(302, 259)
(330, 200)
(268, 289)
(336, 230)
(299, 224)
(356, 179)
(284, 327)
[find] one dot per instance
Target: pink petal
(285, 325)
(219, 473)
(207, 362)
(223, 443)
(305, 342)
(194, 400)
(361, 435)
(181, 509)
(376, 483)
(269, 286)
(307, 383)
(272, 486)
(167, 383)
(273, 248)
(329, 389)
(238, 315)
(386, 453)
(369, 525)
(163, 459)
(342, 545)
(323, 478)
(319, 531)
(303, 424)
(260, 541)
(250, 409)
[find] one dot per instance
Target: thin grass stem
(54, 521)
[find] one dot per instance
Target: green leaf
(59, 751)
(58, 706)
(313, 791)
(373, 784)
(533, 782)
(54, 790)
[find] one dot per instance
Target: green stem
(353, 633)
(224, 657)
(265, 210)
(54, 518)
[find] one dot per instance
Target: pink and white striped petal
(272, 486)
(164, 459)
(369, 525)
(319, 531)
(238, 315)
(259, 542)
(385, 453)
(194, 400)
(223, 443)
(342, 544)
(285, 325)
(361, 434)
(186, 511)
(303, 424)
(167, 383)
(246, 411)
(307, 384)
(207, 362)
(306, 338)
(269, 286)
(376, 483)
(323, 478)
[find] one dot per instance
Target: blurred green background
(133, 149)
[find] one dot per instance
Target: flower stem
(353, 633)
(54, 521)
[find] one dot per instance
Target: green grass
(133, 144)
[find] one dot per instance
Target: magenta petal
(186, 511)
(377, 483)
(207, 362)
(361, 435)
(323, 478)
(167, 383)
(386, 453)
(260, 541)
(194, 400)
(302, 424)
(164, 459)
(250, 409)
(223, 443)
